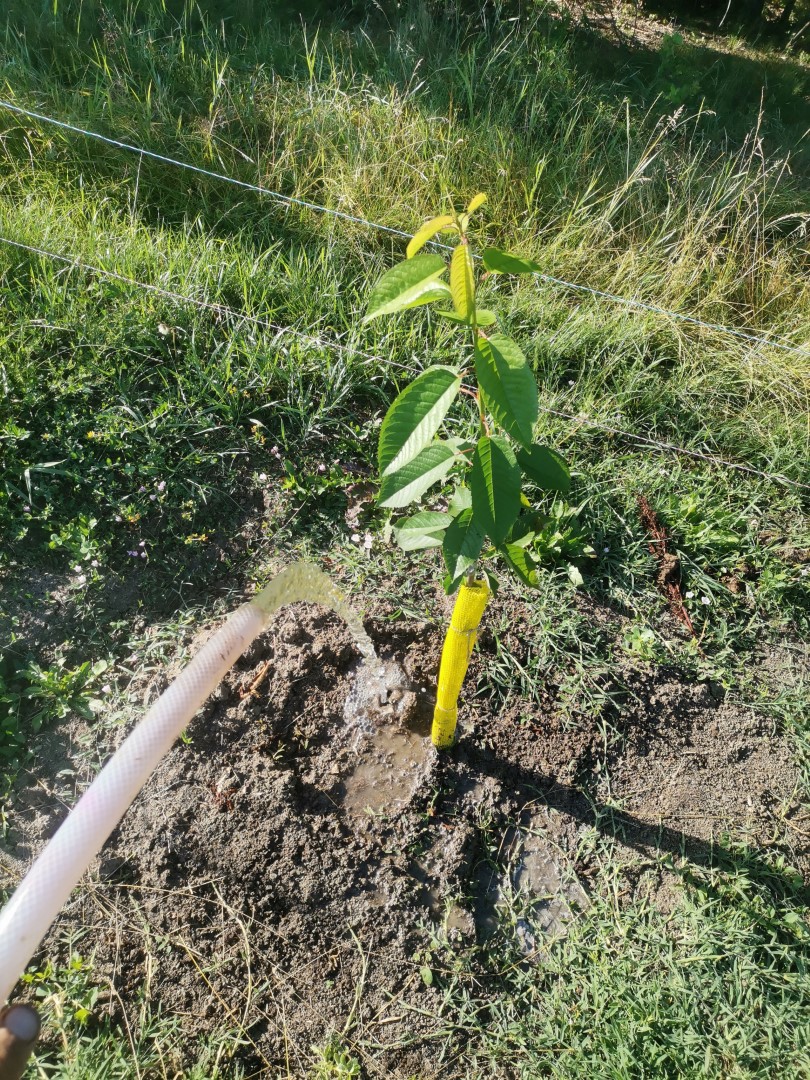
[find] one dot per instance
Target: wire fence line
(289, 200)
(207, 305)
(327, 344)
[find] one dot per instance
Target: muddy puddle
(389, 730)
(537, 887)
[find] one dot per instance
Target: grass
(628, 995)
(83, 1045)
(157, 457)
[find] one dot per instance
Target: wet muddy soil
(304, 863)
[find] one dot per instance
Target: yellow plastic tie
(456, 652)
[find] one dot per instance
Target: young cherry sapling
(489, 517)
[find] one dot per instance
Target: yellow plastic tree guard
(458, 646)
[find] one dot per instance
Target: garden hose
(456, 652)
(37, 900)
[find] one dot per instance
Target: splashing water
(391, 757)
(303, 581)
(392, 754)
(369, 691)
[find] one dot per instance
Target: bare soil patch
(292, 867)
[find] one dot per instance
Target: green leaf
(476, 202)
(461, 446)
(427, 232)
(462, 280)
(545, 467)
(462, 544)
(423, 530)
(461, 499)
(415, 416)
(483, 317)
(575, 576)
(520, 563)
(407, 285)
(494, 584)
(426, 974)
(523, 530)
(450, 584)
(499, 262)
(495, 486)
(507, 385)
(411, 481)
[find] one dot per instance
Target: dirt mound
(293, 864)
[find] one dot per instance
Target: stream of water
(303, 581)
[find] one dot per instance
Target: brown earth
(306, 863)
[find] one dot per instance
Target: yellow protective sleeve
(456, 652)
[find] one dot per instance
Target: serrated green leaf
(545, 467)
(476, 202)
(499, 262)
(425, 293)
(461, 500)
(427, 232)
(461, 446)
(462, 544)
(524, 541)
(422, 530)
(483, 317)
(415, 416)
(495, 487)
(412, 481)
(407, 285)
(507, 385)
(523, 530)
(520, 563)
(493, 582)
(462, 280)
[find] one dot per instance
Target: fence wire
(326, 344)
(289, 200)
